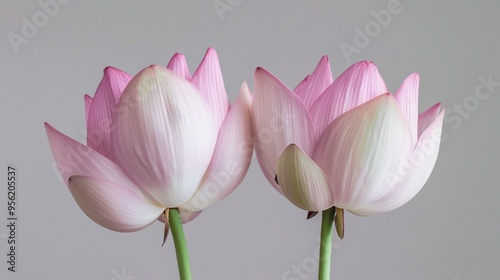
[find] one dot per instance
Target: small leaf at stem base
(339, 222)
(167, 227)
(311, 214)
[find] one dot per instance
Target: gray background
(448, 231)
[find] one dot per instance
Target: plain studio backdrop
(53, 52)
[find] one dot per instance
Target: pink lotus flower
(346, 142)
(162, 139)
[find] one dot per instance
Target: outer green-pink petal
(360, 147)
(357, 85)
(412, 173)
(114, 206)
(407, 98)
(313, 86)
(280, 118)
(73, 158)
(100, 116)
(231, 158)
(179, 66)
(208, 79)
(164, 135)
(302, 181)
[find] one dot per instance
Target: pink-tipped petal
(279, 119)
(412, 174)
(112, 205)
(313, 86)
(164, 135)
(357, 85)
(101, 112)
(73, 158)
(427, 118)
(360, 147)
(302, 181)
(208, 79)
(407, 98)
(179, 66)
(88, 103)
(231, 158)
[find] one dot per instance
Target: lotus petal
(360, 147)
(302, 181)
(280, 118)
(179, 66)
(101, 112)
(164, 135)
(313, 86)
(426, 118)
(357, 85)
(208, 79)
(114, 206)
(231, 158)
(412, 174)
(407, 98)
(73, 158)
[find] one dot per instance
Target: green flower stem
(325, 253)
(181, 251)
